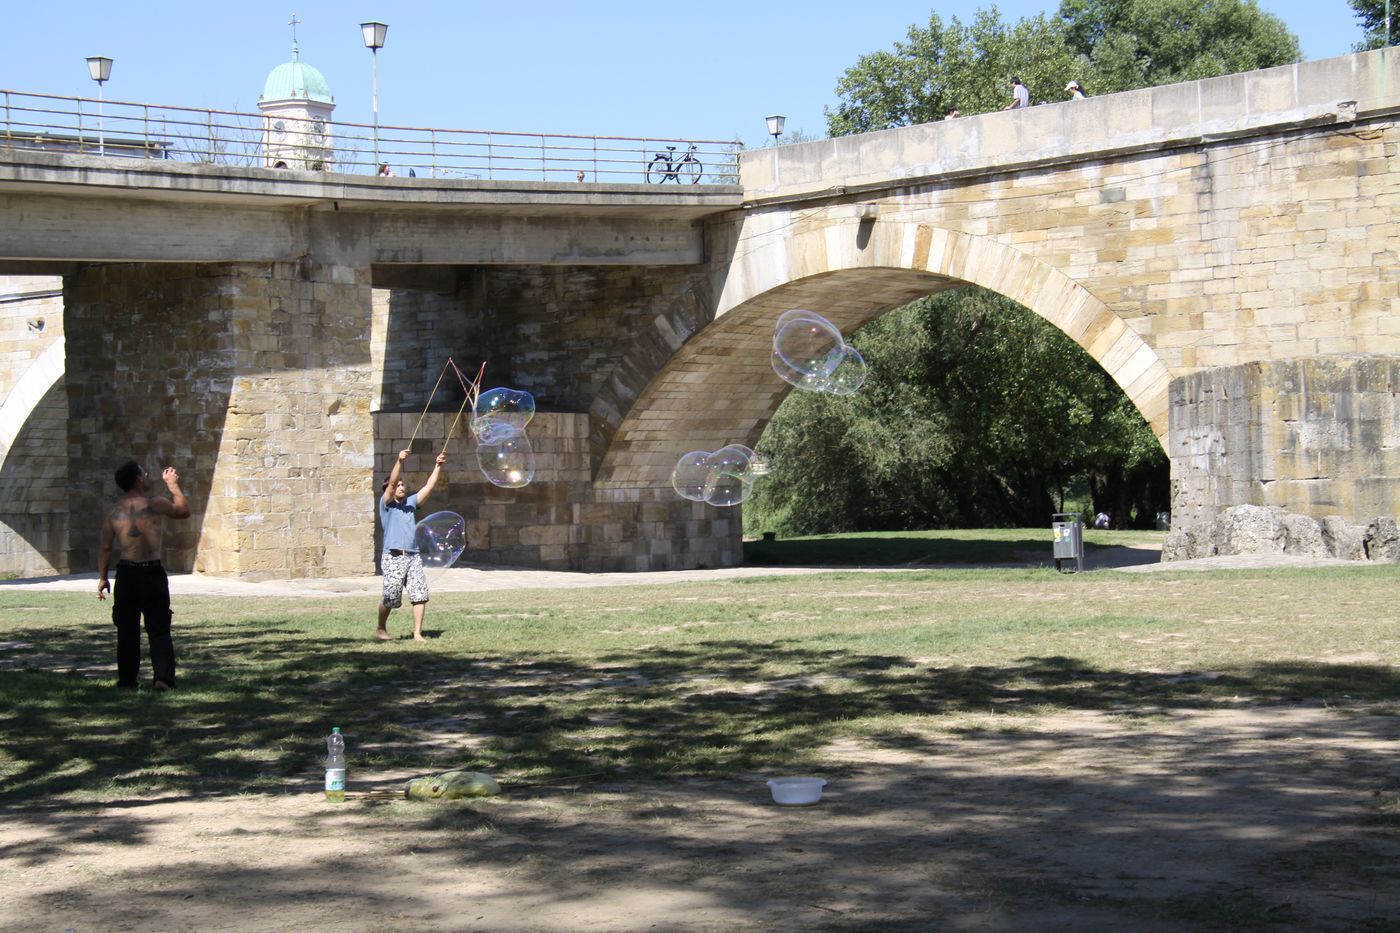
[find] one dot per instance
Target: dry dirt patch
(1282, 817)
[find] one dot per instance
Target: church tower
(296, 103)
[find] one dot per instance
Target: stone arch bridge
(1227, 249)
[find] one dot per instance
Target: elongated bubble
(507, 461)
(804, 343)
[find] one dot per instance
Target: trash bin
(1069, 540)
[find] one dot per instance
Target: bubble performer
(400, 561)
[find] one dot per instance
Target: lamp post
(100, 67)
(374, 41)
(775, 126)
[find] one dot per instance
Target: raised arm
(176, 506)
(432, 480)
(394, 477)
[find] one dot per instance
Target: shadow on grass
(253, 714)
(873, 550)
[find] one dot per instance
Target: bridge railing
(223, 137)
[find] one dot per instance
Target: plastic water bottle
(335, 766)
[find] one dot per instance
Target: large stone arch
(719, 387)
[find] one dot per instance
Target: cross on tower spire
(293, 23)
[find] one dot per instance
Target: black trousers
(142, 590)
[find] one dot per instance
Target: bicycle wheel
(658, 170)
(692, 170)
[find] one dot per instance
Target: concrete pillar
(254, 381)
(1317, 436)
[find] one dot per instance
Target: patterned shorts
(403, 571)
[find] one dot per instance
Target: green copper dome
(296, 81)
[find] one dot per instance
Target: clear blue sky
(604, 67)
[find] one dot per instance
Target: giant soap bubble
(810, 353)
(440, 539)
(500, 412)
(724, 477)
(507, 459)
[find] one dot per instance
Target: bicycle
(666, 167)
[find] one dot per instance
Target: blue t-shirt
(398, 519)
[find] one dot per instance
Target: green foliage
(1126, 44)
(1371, 14)
(968, 66)
(974, 414)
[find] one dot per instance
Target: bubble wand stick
(431, 396)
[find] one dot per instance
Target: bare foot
(418, 636)
(160, 685)
(383, 634)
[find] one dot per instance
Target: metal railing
(223, 137)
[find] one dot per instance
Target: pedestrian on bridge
(1075, 90)
(1020, 97)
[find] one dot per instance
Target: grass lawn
(654, 682)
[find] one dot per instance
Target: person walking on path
(133, 526)
(400, 562)
(1020, 97)
(1075, 90)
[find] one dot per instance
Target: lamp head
(100, 67)
(775, 125)
(374, 34)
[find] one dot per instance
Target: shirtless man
(133, 524)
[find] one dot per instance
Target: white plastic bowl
(796, 791)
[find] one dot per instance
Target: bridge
(1226, 249)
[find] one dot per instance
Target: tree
(1372, 15)
(975, 413)
(1127, 44)
(965, 66)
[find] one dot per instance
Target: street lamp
(775, 126)
(100, 67)
(374, 41)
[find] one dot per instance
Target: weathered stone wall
(1317, 436)
(560, 521)
(253, 380)
(557, 331)
(34, 501)
(33, 433)
(31, 321)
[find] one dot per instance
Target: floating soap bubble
(440, 539)
(728, 481)
(507, 461)
(500, 412)
(690, 474)
(809, 352)
(803, 343)
(849, 373)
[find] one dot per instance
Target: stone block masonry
(253, 380)
(1318, 436)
